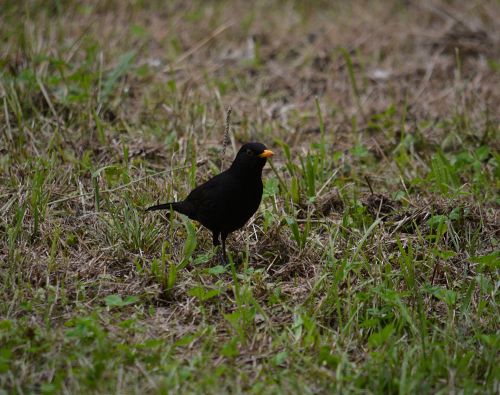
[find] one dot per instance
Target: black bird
(227, 201)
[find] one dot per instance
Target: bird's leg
(215, 238)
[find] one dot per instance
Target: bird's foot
(221, 257)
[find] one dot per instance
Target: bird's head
(251, 158)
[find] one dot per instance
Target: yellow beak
(266, 154)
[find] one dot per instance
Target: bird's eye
(249, 152)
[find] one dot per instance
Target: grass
(372, 265)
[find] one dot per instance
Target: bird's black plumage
(227, 201)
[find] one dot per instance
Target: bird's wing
(206, 197)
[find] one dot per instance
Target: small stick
(369, 184)
(82, 195)
(436, 266)
(203, 42)
(227, 140)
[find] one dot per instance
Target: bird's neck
(249, 174)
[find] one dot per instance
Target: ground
(372, 264)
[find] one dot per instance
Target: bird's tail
(180, 207)
(165, 206)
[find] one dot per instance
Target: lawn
(372, 264)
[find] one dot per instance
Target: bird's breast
(241, 203)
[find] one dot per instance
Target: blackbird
(226, 202)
